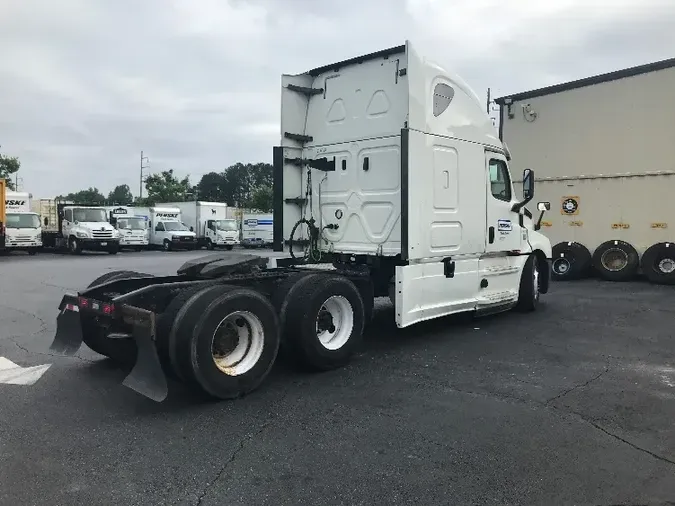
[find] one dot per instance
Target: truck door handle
(491, 235)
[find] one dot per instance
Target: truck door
(67, 222)
(160, 233)
(503, 228)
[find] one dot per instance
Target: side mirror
(543, 206)
(192, 229)
(46, 221)
(528, 184)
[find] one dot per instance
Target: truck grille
(102, 234)
(22, 238)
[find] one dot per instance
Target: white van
(22, 228)
(167, 229)
(133, 229)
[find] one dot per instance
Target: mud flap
(147, 377)
(68, 338)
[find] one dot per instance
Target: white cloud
(86, 84)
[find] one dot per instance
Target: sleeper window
(443, 95)
(500, 183)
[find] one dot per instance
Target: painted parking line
(13, 374)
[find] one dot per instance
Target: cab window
(68, 215)
(500, 182)
(159, 227)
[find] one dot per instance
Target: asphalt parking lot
(571, 405)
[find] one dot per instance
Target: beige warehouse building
(603, 151)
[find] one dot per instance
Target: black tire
(113, 250)
(658, 263)
(530, 283)
(96, 338)
(303, 309)
(165, 322)
(627, 260)
(32, 252)
(74, 246)
(192, 334)
(166, 245)
(228, 247)
(570, 261)
(209, 245)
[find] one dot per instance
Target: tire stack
(614, 260)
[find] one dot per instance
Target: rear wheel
(95, 336)
(570, 260)
(658, 263)
(616, 260)
(324, 321)
(209, 245)
(225, 340)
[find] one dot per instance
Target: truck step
(305, 90)
(298, 137)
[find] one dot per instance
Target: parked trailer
(257, 230)
(210, 222)
(603, 148)
(23, 227)
(389, 223)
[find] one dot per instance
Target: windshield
(95, 215)
(226, 225)
(174, 225)
(131, 223)
(23, 221)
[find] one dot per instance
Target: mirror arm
(537, 225)
(519, 205)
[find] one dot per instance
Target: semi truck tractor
(166, 228)
(257, 230)
(77, 227)
(393, 168)
(210, 222)
(132, 229)
(23, 226)
(603, 148)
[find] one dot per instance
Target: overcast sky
(86, 84)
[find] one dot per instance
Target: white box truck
(77, 227)
(603, 148)
(133, 230)
(23, 226)
(166, 228)
(257, 230)
(416, 203)
(209, 220)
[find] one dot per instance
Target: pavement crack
(42, 354)
(577, 387)
(239, 448)
(625, 441)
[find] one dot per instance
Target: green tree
(211, 187)
(243, 180)
(165, 187)
(261, 199)
(88, 196)
(121, 195)
(9, 165)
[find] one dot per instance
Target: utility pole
(140, 189)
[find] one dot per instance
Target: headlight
(174, 237)
(82, 234)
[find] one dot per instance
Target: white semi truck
(77, 227)
(166, 228)
(257, 230)
(23, 227)
(394, 167)
(133, 230)
(210, 222)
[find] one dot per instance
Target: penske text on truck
(390, 222)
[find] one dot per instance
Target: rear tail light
(108, 308)
(72, 307)
(83, 302)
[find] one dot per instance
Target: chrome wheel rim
(335, 322)
(614, 260)
(237, 343)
